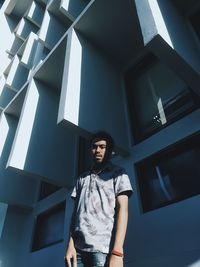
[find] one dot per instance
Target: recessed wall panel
(17, 76)
(52, 30)
(92, 93)
(35, 13)
(42, 148)
(73, 8)
(15, 189)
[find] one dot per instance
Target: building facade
(72, 67)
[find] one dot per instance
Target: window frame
(50, 210)
(137, 69)
(173, 149)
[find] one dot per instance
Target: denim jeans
(92, 259)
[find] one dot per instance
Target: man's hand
(115, 261)
(70, 257)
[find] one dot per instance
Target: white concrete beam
(35, 13)
(151, 21)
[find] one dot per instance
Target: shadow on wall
(12, 21)
(49, 145)
(12, 235)
(18, 188)
(101, 97)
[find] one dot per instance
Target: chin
(99, 161)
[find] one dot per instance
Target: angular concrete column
(89, 83)
(151, 21)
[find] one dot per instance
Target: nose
(98, 149)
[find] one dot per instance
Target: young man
(100, 216)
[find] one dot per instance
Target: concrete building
(71, 67)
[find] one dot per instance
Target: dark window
(170, 176)
(47, 189)
(49, 227)
(156, 97)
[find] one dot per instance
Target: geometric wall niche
(50, 70)
(17, 75)
(98, 30)
(15, 46)
(35, 13)
(83, 98)
(72, 8)
(14, 188)
(27, 51)
(24, 28)
(6, 93)
(41, 148)
(54, 25)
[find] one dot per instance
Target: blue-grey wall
(180, 33)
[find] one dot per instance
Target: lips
(98, 156)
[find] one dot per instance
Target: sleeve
(123, 184)
(75, 189)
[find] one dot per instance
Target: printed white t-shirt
(94, 216)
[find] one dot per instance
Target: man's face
(99, 150)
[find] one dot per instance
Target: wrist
(117, 253)
(118, 248)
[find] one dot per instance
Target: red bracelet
(117, 253)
